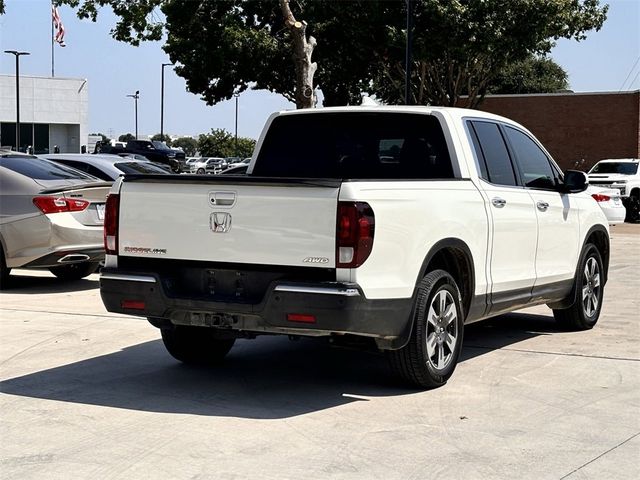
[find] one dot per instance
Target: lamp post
(237, 95)
(407, 78)
(136, 96)
(162, 101)
(17, 55)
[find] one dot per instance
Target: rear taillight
(111, 212)
(48, 204)
(354, 234)
(598, 197)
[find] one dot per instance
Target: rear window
(40, 169)
(138, 167)
(355, 146)
(622, 168)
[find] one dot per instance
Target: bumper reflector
(301, 318)
(133, 304)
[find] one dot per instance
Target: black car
(154, 151)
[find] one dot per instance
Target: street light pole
(237, 95)
(162, 101)
(135, 96)
(407, 78)
(17, 55)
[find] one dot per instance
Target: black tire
(589, 287)
(74, 271)
(633, 209)
(195, 345)
(200, 171)
(4, 271)
(416, 362)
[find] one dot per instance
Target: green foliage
(221, 143)
(126, 137)
(532, 75)
(222, 47)
(159, 138)
(104, 139)
(187, 144)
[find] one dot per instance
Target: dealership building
(53, 112)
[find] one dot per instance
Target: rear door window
(367, 145)
(492, 151)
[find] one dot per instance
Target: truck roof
(454, 112)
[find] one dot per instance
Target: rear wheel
(74, 271)
(589, 283)
(430, 357)
(200, 171)
(195, 345)
(633, 208)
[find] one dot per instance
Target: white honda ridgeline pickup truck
(397, 224)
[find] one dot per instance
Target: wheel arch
(453, 256)
(597, 235)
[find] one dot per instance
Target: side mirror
(575, 181)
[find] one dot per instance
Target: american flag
(57, 24)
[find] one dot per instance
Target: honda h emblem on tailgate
(220, 222)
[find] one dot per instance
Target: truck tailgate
(231, 220)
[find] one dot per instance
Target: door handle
(498, 202)
(542, 206)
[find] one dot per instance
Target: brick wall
(575, 126)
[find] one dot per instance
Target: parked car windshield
(139, 167)
(366, 145)
(622, 168)
(40, 169)
(160, 145)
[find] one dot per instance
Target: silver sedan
(51, 217)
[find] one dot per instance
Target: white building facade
(53, 112)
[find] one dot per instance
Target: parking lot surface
(89, 394)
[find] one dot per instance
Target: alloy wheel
(442, 330)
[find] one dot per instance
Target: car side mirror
(574, 181)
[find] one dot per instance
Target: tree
(187, 144)
(220, 143)
(459, 46)
(159, 138)
(104, 138)
(126, 137)
(532, 75)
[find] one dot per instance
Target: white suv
(623, 175)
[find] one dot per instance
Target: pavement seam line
(600, 456)
(102, 315)
(519, 350)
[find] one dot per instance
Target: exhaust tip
(74, 258)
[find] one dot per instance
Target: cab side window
(493, 156)
(534, 164)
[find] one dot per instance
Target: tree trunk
(302, 51)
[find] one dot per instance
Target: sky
(608, 60)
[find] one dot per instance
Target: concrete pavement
(89, 394)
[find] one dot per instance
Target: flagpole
(52, 44)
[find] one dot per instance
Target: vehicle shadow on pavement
(40, 284)
(267, 378)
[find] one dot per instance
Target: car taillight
(111, 211)
(48, 204)
(598, 197)
(354, 234)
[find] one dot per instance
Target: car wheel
(176, 169)
(633, 209)
(200, 171)
(195, 345)
(430, 357)
(4, 271)
(589, 284)
(74, 271)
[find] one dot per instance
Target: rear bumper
(336, 308)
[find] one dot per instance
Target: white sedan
(610, 203)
